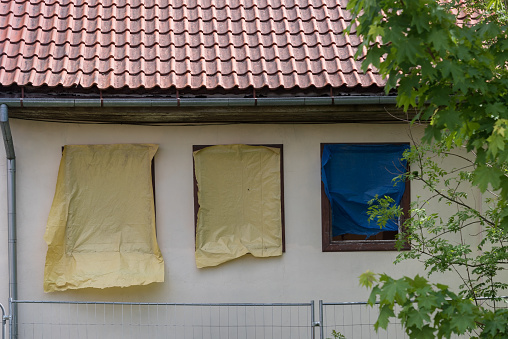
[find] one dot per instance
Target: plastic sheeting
(101, 227)
(239, 195)
(353, 174)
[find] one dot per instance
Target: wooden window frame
(195, 183)
(333, 245)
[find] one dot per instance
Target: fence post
(321, 329)
(4, 321)
(312, 321)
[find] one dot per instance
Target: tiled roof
(179, 44)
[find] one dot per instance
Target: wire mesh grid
(77, 320)
(355, 320)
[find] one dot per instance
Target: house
(180, 75)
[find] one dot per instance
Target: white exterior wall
(301, 274)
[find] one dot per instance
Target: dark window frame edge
(195, 187)
(330, 245)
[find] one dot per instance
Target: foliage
(337, 335)
(466, 241)
(489, 10)
(453, 75)
(432, 310)
(448, 63)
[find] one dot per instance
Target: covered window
(238, 197)
(101, 227)
(352, 175)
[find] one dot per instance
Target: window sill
(362, 245)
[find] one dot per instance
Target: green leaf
(496, 143)
(426, 332)
(376, 30)
(496, 109)
(449, 118)
(416, 319)
(410, 52)
(419, 282)
(440, 95)
(385, 313)
(388, 292)
(495, 324)
(442, 287)
(439, 39)
(367, 279)
(373, 57)
(373, 296)
(453, 72)
(488, 30)
(427, 302)
(464, 317)
(485, 175)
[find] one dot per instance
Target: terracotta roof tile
(179, 43)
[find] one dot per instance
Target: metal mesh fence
(73, 319)
(355, 320)
(55, 320)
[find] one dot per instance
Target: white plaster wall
(301, 274)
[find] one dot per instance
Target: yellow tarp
(101, 227)
(239, 195)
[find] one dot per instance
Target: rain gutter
(11, 210)
(198, 102)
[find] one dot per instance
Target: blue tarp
(353, 174)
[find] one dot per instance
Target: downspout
(11, 206)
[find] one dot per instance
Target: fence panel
(113, 320)
(355, 320)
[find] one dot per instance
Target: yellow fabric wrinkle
(101, 226)
(239, 196)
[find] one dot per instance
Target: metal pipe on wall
(199, 102)
(11, 206)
